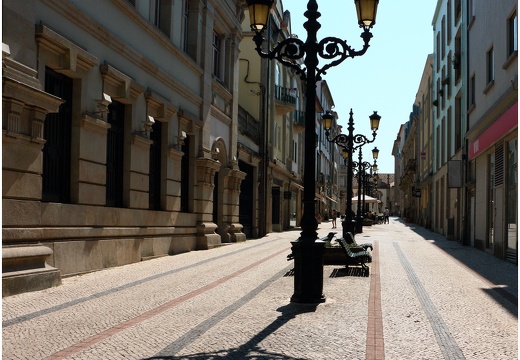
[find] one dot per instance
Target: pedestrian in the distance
(334, 216)
(386, 216)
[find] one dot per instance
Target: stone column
(206, 236)
(24, 107)
(233, 178)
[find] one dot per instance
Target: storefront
(494, 203)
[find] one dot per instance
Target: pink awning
(499, 128)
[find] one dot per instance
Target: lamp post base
(308, 272)
(359, 225)
(349, 227)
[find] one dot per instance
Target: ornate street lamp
(364, 178)
(350, 143)
(375, 151)
(308, 254)
(259, 14)
(362, 167)
(361, 176)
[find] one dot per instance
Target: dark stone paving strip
(82, 345)
(59, 307)
(375, 347)
(200, 329)
(447, 344)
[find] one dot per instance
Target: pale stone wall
(111, 50)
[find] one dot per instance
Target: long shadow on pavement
(500, 273)
(251, 350)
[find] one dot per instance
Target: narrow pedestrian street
(425, 298)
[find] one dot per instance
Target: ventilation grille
(499, 164)
(511, 256)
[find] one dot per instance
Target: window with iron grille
(115, 154)
(154, 176)
(57, 133)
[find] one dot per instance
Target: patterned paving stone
(437, 299)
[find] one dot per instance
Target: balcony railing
(299, 118)
(411, 165)
(248, 125)
(285, 95)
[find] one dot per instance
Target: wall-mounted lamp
(102, 104)
(180, 139)
(147, 125)
(215, 154)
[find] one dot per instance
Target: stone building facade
(119, 133)
(492, 158)
(473, 183)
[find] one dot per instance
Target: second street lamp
(350, 143)
(308, 254)
(363, 179)
(362, 166)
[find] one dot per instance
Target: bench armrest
(356, 249)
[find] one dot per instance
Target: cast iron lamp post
(364, 185)
(362, 166)
(308, 254)
(367, 183)
(373, 185)
(350, 143)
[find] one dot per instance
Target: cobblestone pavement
(425, 298)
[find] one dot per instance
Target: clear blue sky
(387, 77)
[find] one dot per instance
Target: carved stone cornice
(206, 169)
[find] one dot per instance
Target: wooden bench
(360, 257)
